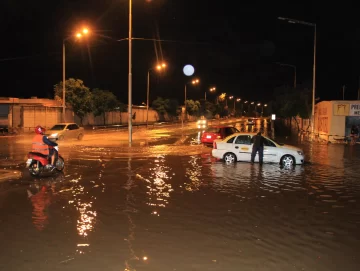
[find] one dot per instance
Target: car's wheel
(59, 165)
(229, 157)
(287, 160)
(80, 136)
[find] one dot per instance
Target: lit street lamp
(130, 76)
(211, 90)
(262, 109)
(230, 98)
(237, 100)
(159, 68)
(194, 82)
(314, 65)
(78, 35)
(247, 113)
(259, 104)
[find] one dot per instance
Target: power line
(161, 40)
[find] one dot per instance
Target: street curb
(8, 174)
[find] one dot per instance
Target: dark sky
(232, 45)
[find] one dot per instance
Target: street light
(262, 109)
(130, 76)
(314, 65)
(78, 35)
(237, 100)
(256, 109)
(159, 68)
(211, 90)
(230, 98)
(292, 66)
(248, 106)
(194, 82)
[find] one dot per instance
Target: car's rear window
(213, 130)
(58, 127)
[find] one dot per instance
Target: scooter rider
(41, 143)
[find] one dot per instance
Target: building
(334, 119)
(21, 115)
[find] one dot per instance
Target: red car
(217, 132)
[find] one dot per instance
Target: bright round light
(188, 70)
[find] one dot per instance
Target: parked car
(238, 147)
(217, 132)
(67, 130)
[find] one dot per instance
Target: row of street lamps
(85, 32)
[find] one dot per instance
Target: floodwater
(173, 207)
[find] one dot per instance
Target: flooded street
(174, 207)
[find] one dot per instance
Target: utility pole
(359, 90)
(343, 90)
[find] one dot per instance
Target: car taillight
(214, 145)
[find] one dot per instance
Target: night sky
(233, 46)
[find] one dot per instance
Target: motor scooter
(38, 162)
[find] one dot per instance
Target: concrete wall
(26, 118)
(116, 117)
(323, 119)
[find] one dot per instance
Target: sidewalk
(9, 174)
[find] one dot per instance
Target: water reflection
(129, 210)
(42, 193)
(240, 177)
(193, 173)
(159, 184)
(303, 217)
(83, 201)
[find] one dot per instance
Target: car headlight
(300, 152)
(54, 135)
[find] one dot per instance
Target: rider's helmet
(39, 130)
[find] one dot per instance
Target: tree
(173, 108)
(192, 107)
(103, 101)
(161, 106)
(121, 108)
(77, 95)
(291, 103)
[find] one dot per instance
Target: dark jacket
(258, 141)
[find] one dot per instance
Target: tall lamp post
(262, 109)
(237, 100)
(159, 68)
(314, 66)
(292, 66)
(130, 76)
(256, 112)
(248, 106)
(194, 82)
(78, 35)
(211, 90)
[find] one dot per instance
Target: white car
(238, 147)
(66, 130)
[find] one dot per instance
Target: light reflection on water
(189, 212)
(193, 173)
